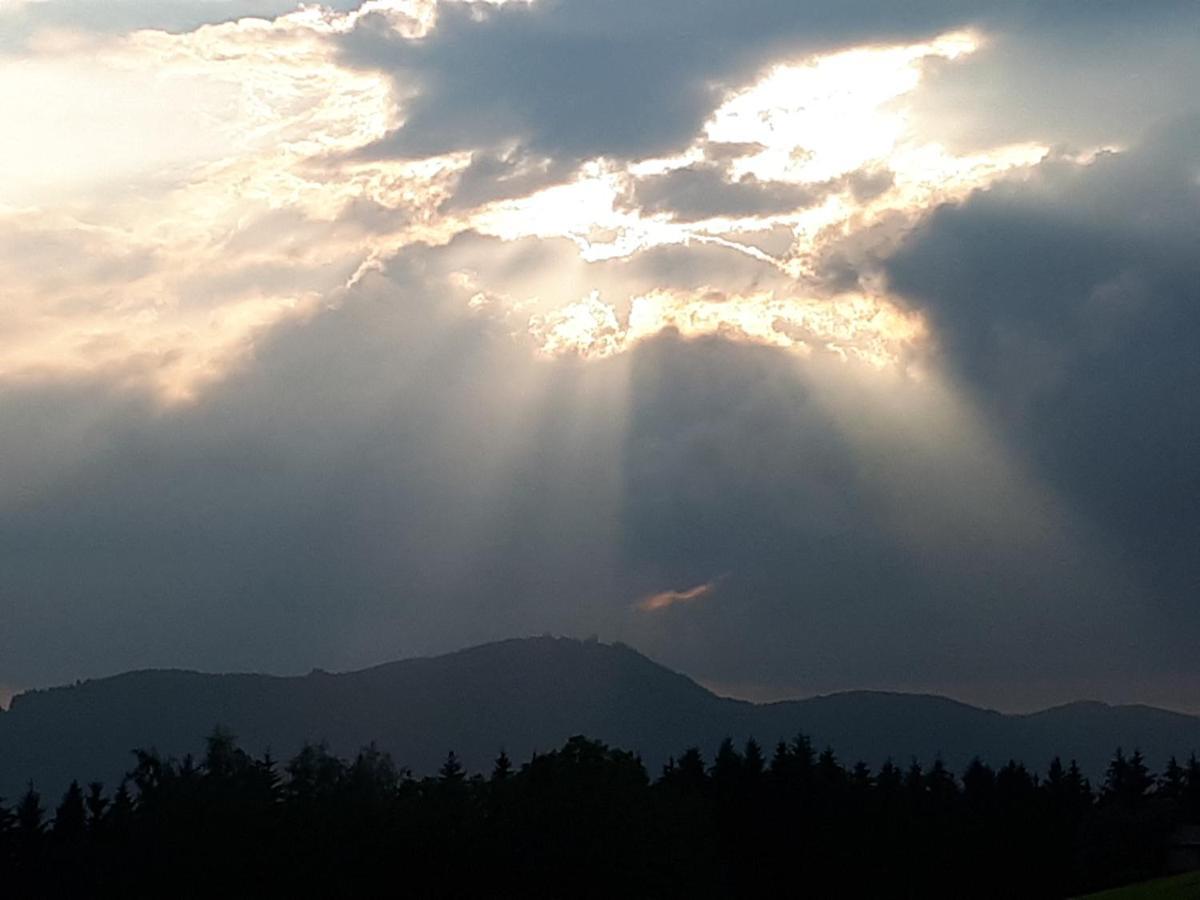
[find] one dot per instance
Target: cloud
(482, 323)
(24, 20)
(711, 190)
(664, 599)
(579, 79)
(395, 474)
(707, 191)
(1078, 86)
(217, 242)
(504, 175)
(179, 250)
(1065, 302)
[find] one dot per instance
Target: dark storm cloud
(846, 259)
(334, 501)
(707, 190)
(738, 463)
(396, 476)
(503, 175)
(867, 184)
(1096, 83)
(575, 79)
(1070, 303)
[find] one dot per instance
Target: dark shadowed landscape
(325, 784)
(528, 696)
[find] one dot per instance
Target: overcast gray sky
(803, 346)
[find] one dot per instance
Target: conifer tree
(727, 766)
(7, 819)
(29, 814)
(70, 819)
(96, 804)
(753, 763)
(1173, 783)
(451, 771)
(502, 768)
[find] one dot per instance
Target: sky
(803, 346)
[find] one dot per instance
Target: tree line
(587, 820)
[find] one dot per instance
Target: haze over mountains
(527, 695)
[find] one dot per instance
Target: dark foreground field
(1181, 887)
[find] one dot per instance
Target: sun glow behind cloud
(193, 194)
(859, 327)
(218, 191)
(808, 123)
(832, 114)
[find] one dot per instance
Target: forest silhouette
(587, 820)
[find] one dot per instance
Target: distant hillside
(527, 695)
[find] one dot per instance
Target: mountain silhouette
(527, 695)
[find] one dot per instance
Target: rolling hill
(524, 695)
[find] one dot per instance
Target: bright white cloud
(200, 171)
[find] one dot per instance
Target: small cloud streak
(664, 599)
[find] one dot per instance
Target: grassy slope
(1181, 887)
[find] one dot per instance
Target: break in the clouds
(804, 346)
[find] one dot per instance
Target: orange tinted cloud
(662, 600)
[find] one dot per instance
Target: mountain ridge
(530, 694)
